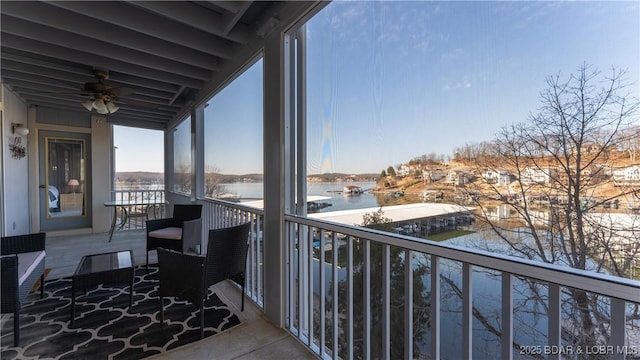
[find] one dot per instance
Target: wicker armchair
(22, 261)
(182, 232)
(189, 276)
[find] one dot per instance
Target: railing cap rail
(605, 284)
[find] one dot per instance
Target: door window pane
(66, 177)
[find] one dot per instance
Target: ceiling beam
(98, 30)
(38, 47)
(78, 70)
(32, 73)
(11, 25)
(231, 6)
(136, 19)
(231, 19)
(196, 16)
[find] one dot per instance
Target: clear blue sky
(138, 149)
(389, 81)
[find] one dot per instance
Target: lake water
(338, 201)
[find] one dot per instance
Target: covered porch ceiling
(161, 57)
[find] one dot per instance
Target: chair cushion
(27, 262)
(170, 233)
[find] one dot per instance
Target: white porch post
(274, 153)
(197, 152)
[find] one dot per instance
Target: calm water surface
(338, 201)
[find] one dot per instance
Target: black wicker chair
(189, 276)
(22, 261)
(182, 232)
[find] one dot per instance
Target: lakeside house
(499, 177)
(433, 175)
(627, 176)
(534, 175)
(457, 178)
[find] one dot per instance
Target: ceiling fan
(102, 95)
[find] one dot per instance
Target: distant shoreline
(158, 177)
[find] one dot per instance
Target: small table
(107, 268)
(124, 204)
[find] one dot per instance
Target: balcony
(371, 317)
(255, 338)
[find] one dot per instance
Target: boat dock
(421, 218)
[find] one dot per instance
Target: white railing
(149, 205)
(386, 303)
(218, 214)
(402, 297)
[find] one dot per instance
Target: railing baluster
(322, 297)
(289, 276)
(386, 302)
(408, 304)
(507, 316)
(554, 320)
(334, 295)
(259, 251)
(467, 312)
(301, 280)
(350, 354)
(366, 298)
(435, 307)
(309, 280)
(618, 328)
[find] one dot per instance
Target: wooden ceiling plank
(80, 43)
(101, 31)
(39, 47)
(131, 17)
(196, 16)
(231, 19)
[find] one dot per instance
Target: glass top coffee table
(107, 268)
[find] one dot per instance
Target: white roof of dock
(260, 203)
(395, 212)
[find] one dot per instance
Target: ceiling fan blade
(122, 91)
(138, 103)
(79, 93)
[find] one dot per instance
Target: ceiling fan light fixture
(88, 104)
(111, 107)
(100, 106)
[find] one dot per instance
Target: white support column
(197, 152)
(274, 172)
(301, 123)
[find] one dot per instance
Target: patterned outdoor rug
(104, 327)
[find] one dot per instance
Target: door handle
(42, 186)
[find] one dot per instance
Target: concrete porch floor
(255, 338)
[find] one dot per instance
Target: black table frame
(89, 280)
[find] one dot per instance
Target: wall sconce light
(19, 129)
